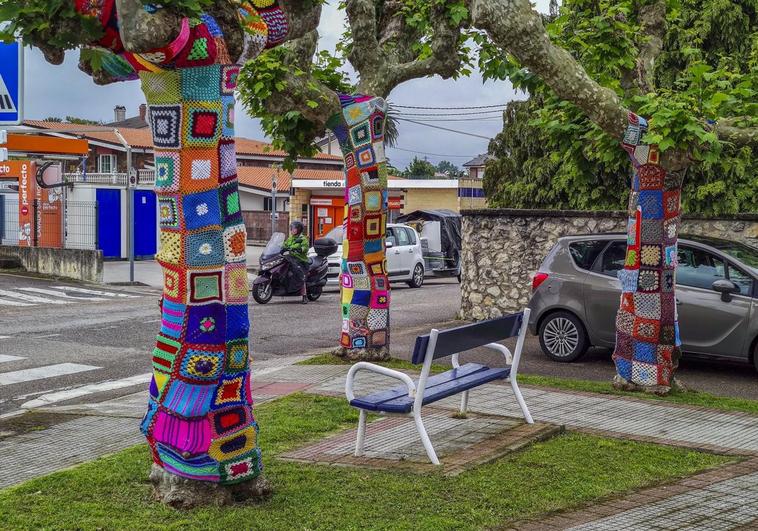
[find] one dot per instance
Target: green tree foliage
(420, 169)
(449, 169)
(550, 155)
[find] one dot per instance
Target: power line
(444, 128)
(484, 118)
(447, 108)
(403, 113)
(432, 154)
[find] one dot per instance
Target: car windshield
(274, 245)
(335, 234)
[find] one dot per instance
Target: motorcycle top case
(325, 246)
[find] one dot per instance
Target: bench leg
(521, 402)
(425, 438)
(464, 402)
(361, 433)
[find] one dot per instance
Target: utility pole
(131, 182)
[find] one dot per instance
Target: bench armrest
(371, 367)
(494, 346)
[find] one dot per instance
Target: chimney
(120, 113)
(142, 112)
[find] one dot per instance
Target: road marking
(60, 396)
(39, 373)
(4, 302)
(44, 336)
(5, 337)
(5, 357)
(95, 292)
(30, 298)
(61, 294)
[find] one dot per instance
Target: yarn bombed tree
(300, 94)
(660, 148)
(199, 423)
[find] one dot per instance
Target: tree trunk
(200, 422)
(364, 285)
(647, 333)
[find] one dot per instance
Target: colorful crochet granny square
(652, 231)
(199, 170)
(651, 202)
(646, 329)
(379, 283)
(378, 319)
(227, 161)
(379, 268)
(649, 280)
(168, 211)
(230, 391)
(201, 83)
(164, 354)
(373, 226)
(227, 116)
(380, 299)
(201, 210)
(229, 198)
(373, 201)
(206, 324)
(373, 246)
(161, 87)
(229, 75)
(228, 420)
(170, 251)
(645, 352)
(378, 338)
(204, 249)
(360, 135)
(276, 24)
(650, 255)
(668, 280)
(632, 135)
(349, 161)
(670, 230)
(234, 243)
(236, 287)
(671, 256)
(205, 286)
(185, 435)
(623, 368)
(377, 126)
(361, 297)
(237, 321)
(651, 177)
(167, 171)
(199, 467)
(624, 322)
(648, 305)
(366, 157)
(202, 124)
(379, 155)
(370, 178)
(174, 284)
(166, 123)
(671, 204)
(147, 421)
(200, 49)
(242, 468)
(644, 373)
(624, 344)
(172, 318)
(201, 365)
(188, 400)
(236, 356)
(355, 231)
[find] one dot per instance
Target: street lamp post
(274, 184)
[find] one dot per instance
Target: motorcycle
(278, 274)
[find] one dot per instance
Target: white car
(405, 261)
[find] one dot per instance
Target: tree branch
(653, 25)
(739, 136)
(303, 16)
(365, 54)
(142, 31)
(514, 26)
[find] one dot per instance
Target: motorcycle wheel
(314, 293)
(263, 292)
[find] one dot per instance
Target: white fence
(117, 179)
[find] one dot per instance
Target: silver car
(576, 296)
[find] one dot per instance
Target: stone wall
(79, 264)
(502, 249)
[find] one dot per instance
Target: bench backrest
(470, 336)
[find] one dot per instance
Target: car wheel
(417, 280)
(262, 292)
(755, 355)
(562, 337)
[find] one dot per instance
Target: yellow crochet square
(170, 248)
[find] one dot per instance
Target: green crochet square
(161, 87)
(232, 203)
(201, 83)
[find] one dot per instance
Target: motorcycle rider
(297, 247)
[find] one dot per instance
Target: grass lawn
(113, 493)
(691, 398)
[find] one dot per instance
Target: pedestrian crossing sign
(11, 83)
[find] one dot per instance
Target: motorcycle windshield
(274, 245)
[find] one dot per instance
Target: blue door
(145, 223)
(109, 222)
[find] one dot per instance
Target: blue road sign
(11, 83)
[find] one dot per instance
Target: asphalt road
(96, 346)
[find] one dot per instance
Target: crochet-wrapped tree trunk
(364, 285)
(647, 332)
(199, 422)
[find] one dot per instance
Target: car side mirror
(388, 244)
(726, 288)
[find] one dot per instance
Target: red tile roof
(142, 138)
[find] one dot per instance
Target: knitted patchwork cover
(647, 331)
(365, 288)
(199, 422)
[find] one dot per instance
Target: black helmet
(297, 226)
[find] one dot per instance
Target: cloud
(65, 91)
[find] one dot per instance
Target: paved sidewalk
(725, 498)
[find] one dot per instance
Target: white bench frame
(416, 391)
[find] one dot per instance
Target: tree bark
(364, 285)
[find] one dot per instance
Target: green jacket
(297, 246)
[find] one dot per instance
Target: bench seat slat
(439, 386)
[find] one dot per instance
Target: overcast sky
(65, 91)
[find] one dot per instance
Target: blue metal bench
(409, 398)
